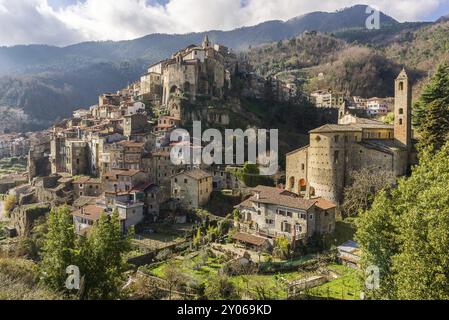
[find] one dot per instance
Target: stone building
(192, 188)
(69, 156)
(39, 160)
(323, 168)
(191, 73)
(53, 189)
(131, 154)
(123, 180)
(272, 212)
(195, 71)
(135, 124)
(327, 98)
(87, 187)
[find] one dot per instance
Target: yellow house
(192, 188)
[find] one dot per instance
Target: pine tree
(59, 248)
(431, 112)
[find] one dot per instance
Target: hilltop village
(115, 157)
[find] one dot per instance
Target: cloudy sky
(63, 22)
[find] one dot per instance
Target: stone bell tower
(403, 110)
(206, 42)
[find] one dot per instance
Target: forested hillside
(321, 50)
(366, 68)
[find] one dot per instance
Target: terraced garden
(200, 269)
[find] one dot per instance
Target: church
(323, 168)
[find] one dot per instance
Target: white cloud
(35, 21)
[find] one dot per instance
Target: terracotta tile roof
(325, 204)
(358, 126)
(134, 144)
(142, 187)
(275, 196)
(383, 145)
(249, 238)
(248, 204)
(297, 150)
(90, 212)
(85, 200)
(122, 172)
(336, 128)
(86, 180)
(196, 174)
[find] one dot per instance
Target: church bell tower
(403, 110)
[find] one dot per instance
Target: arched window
(302, 185)
(400, 122)
(173, 89)
(292, 182)
(401, 111)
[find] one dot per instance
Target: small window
(336, 155)
(401, 111)
(400, 122)
(312, 191)
(311, 217)
(401, 86)
(336, 138)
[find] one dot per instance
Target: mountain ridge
(153, 47)
(48, 82)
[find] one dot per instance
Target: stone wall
(23, 217)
